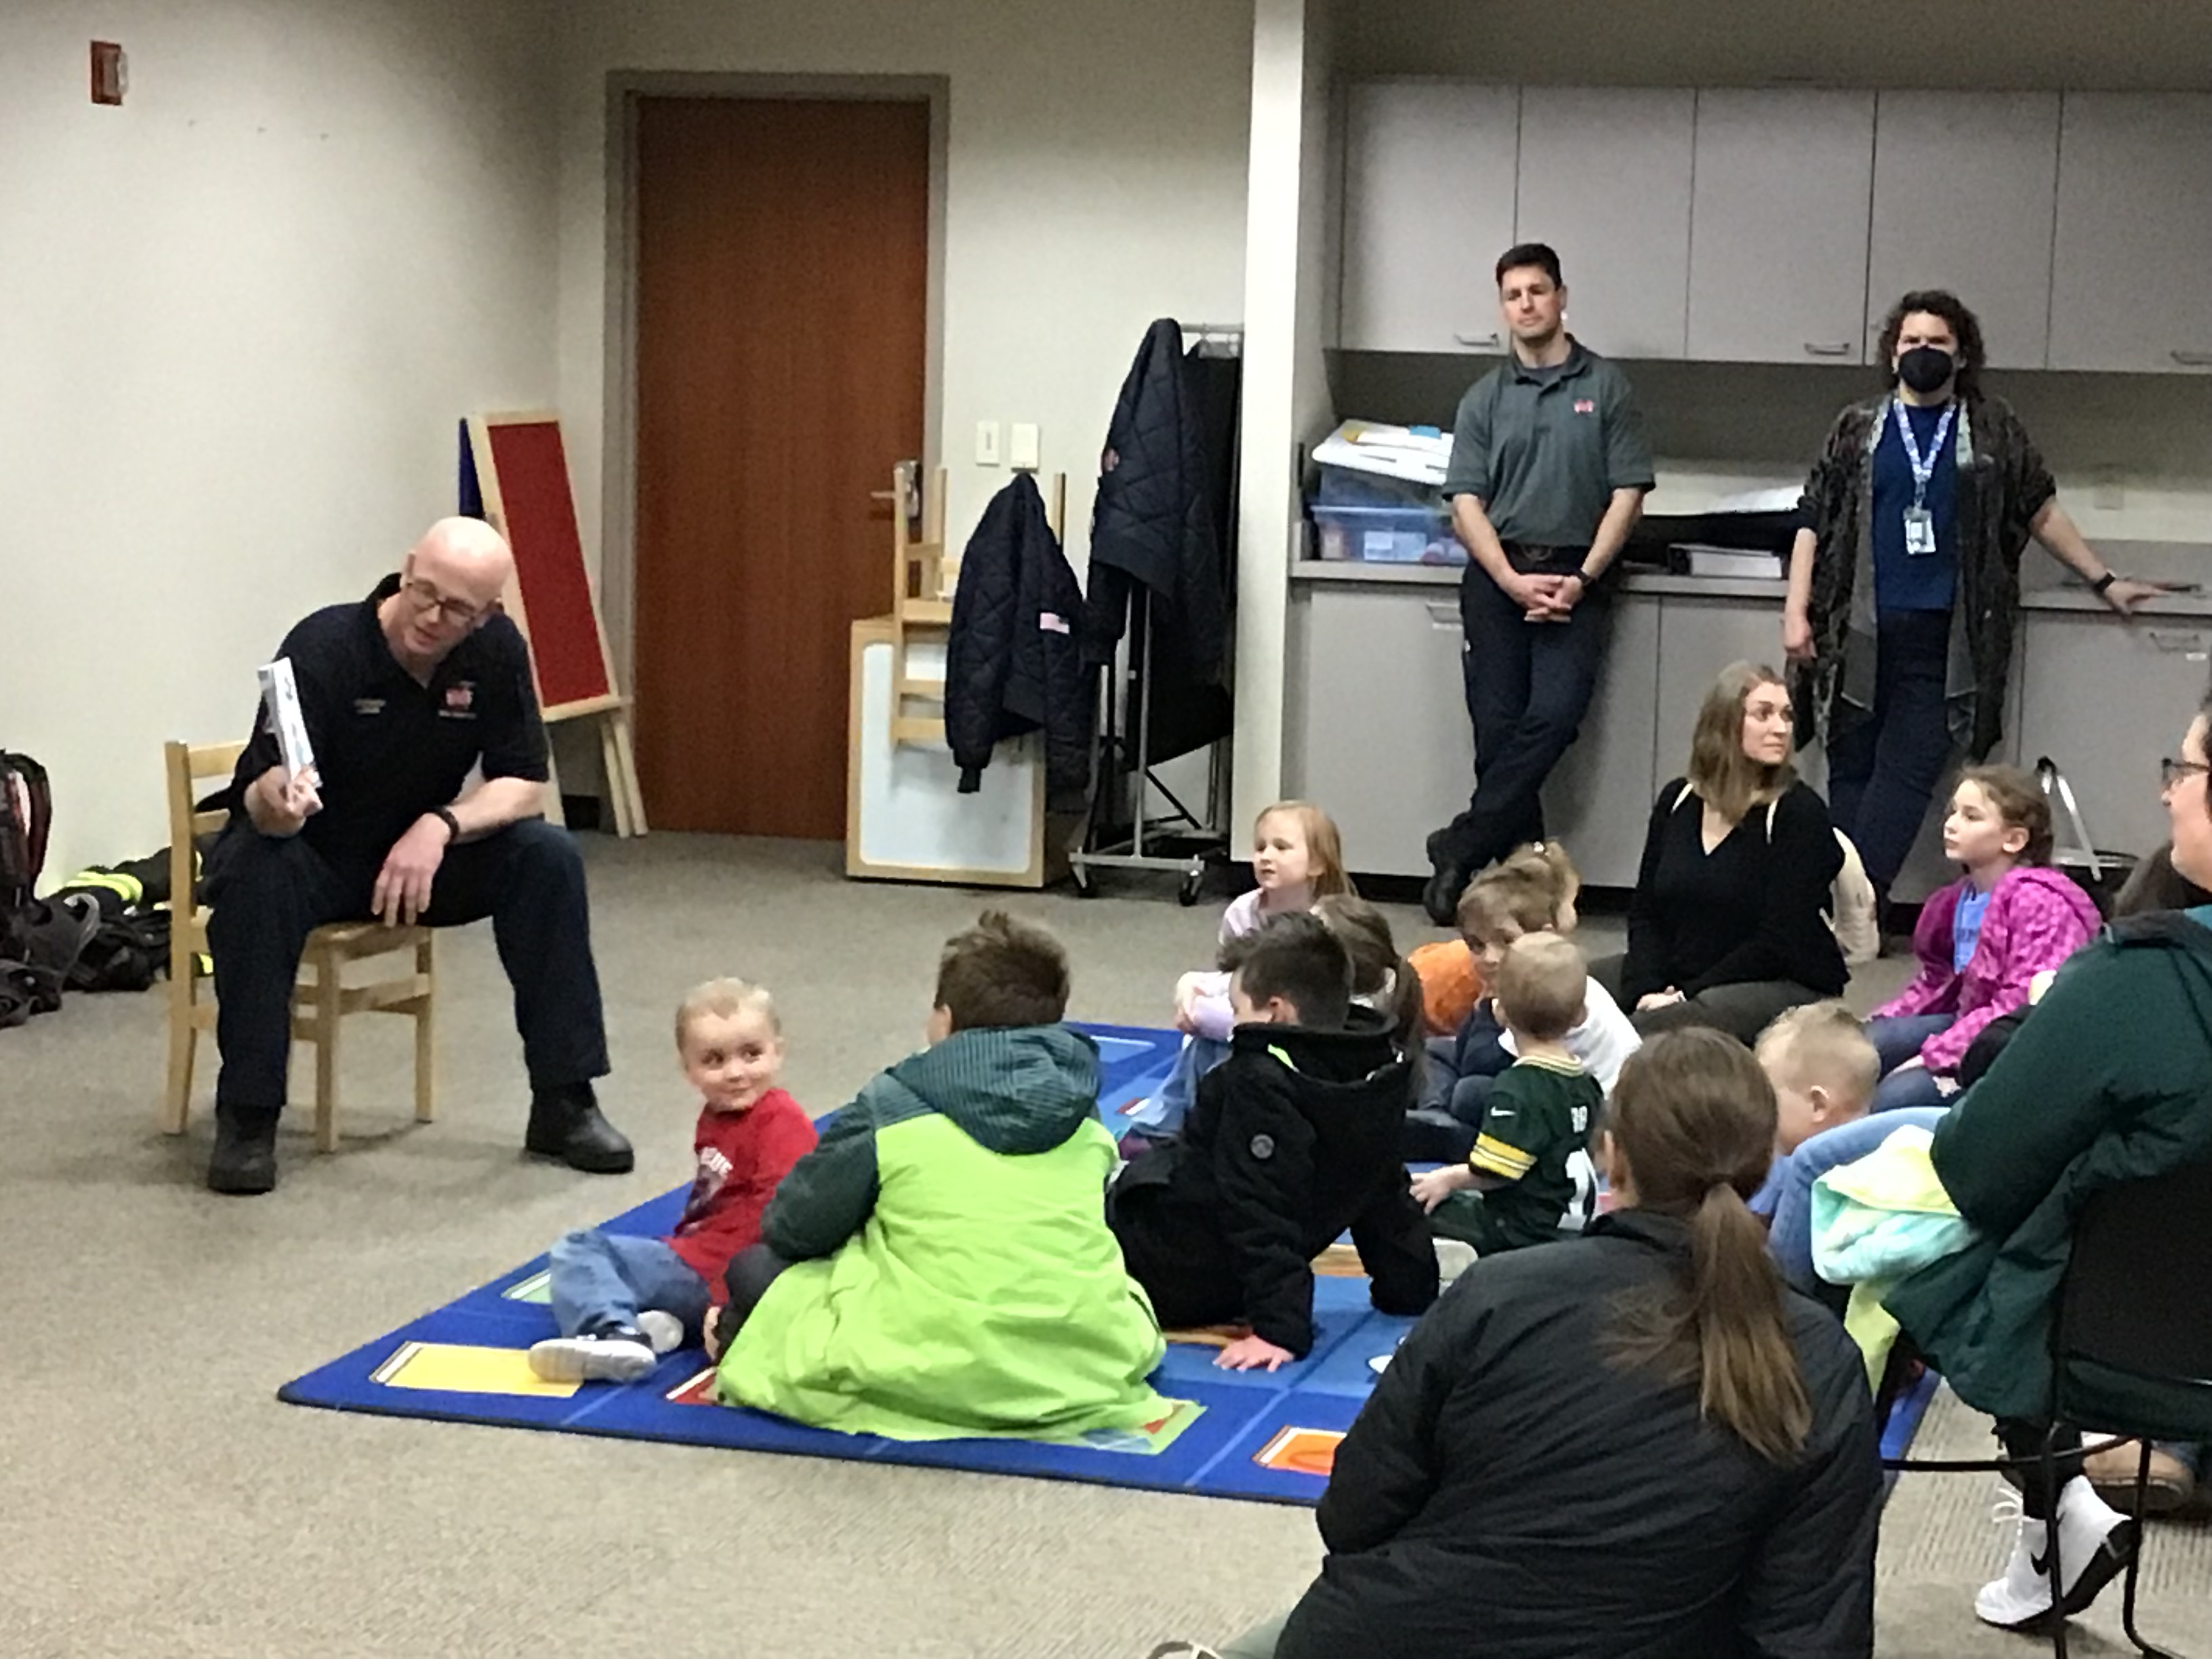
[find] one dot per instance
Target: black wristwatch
(1584, 577)
(444, 816)
(2103, 582)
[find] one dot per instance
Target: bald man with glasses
(404, 695)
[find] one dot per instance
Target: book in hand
(280, 694)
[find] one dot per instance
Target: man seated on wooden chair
(402, 694)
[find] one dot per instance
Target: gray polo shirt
(1544, 448)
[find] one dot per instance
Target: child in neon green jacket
(939, 1266)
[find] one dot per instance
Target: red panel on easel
(532, 470)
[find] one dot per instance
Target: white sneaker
(1454, 1257)
(662, 1330)
(591, 1359)
(2094, 1543)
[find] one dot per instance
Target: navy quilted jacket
(1014, 663)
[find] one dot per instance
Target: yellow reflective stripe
(129, 889)
(1279, 1055)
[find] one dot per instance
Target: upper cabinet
(2131, 278)
(1965, 187)
(1429, 172)
(1778, 225)
(1605, 179)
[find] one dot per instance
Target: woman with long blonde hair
(1729, 925)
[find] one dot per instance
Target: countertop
(2046, 583)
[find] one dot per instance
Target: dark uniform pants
(267, 894)
(1528, 686)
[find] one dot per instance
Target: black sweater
(1754, 908)
(1509, 1490)
(1291, 1139)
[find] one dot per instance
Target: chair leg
(426, 1045)
(330, 991)
(184, 1042)
(2051, 1535)
(2135, 1560)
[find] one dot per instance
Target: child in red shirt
(622, 1301)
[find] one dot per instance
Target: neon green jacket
(952, 1270)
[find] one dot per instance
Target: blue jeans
(1884, 762)
(1163, 1114)
(1790, 1239)
(1527, 686)
(601, 1280)
(1897, 1040)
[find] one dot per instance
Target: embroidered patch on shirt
(368, 705)
(1263, 1147)
(1585, 405)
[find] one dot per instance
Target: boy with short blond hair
(622, 1300)
(1825, 1070)
(1529, 1178)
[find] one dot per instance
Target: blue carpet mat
(1246, 1434)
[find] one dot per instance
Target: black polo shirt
(1544, 448)
(387, 748)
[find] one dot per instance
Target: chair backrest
(189, 766)
(2134, 1299)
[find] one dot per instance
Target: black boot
(244, 1162)
(1440, 896)
(565, 1123)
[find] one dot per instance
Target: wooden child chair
(322, 999)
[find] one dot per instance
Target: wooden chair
(322, 997)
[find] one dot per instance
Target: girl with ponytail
(1636, 1441)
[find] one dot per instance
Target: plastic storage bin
(1387, 535)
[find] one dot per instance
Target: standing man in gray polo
(1547, 477)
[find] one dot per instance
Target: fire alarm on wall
(111, 72)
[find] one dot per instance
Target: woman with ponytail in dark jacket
(1634, 1442)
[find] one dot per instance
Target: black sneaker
(565, 1123)
(244, 1162)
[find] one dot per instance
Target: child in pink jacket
(1982, 939)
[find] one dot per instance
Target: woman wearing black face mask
(1905, 578)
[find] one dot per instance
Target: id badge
(1919, 532)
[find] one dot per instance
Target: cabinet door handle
(1489, 339)
(2173, 644)
(1819, 349)
(1443, 616)
(2193, 359)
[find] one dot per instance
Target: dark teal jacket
(2110, 1080)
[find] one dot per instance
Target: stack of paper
(1418, 454)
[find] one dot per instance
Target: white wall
(1094, 175)
(240, 317)
(1286, 392)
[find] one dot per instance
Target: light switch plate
(1021, 446)
(986, 443)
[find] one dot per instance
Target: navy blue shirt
(1902, 581)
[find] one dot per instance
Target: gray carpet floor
(155, 1499)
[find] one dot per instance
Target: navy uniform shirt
(1914, 581)
(1544, 448)
(389, 749)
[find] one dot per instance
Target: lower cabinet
(2105, 700)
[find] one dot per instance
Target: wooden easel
(923, 576)
(535, 509)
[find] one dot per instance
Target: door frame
(619, 454)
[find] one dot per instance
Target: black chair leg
(2051, 1539)
(2134, 1561)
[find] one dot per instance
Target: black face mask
(1924, 368)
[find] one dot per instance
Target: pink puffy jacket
(2038, 917)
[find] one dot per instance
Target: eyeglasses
(2172, 771)
(458, 611)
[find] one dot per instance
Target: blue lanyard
(1923, 466)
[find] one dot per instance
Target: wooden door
(1778, 225)
(1965, 186)
(1605, 179)
(782, 269)
(1428, 207)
